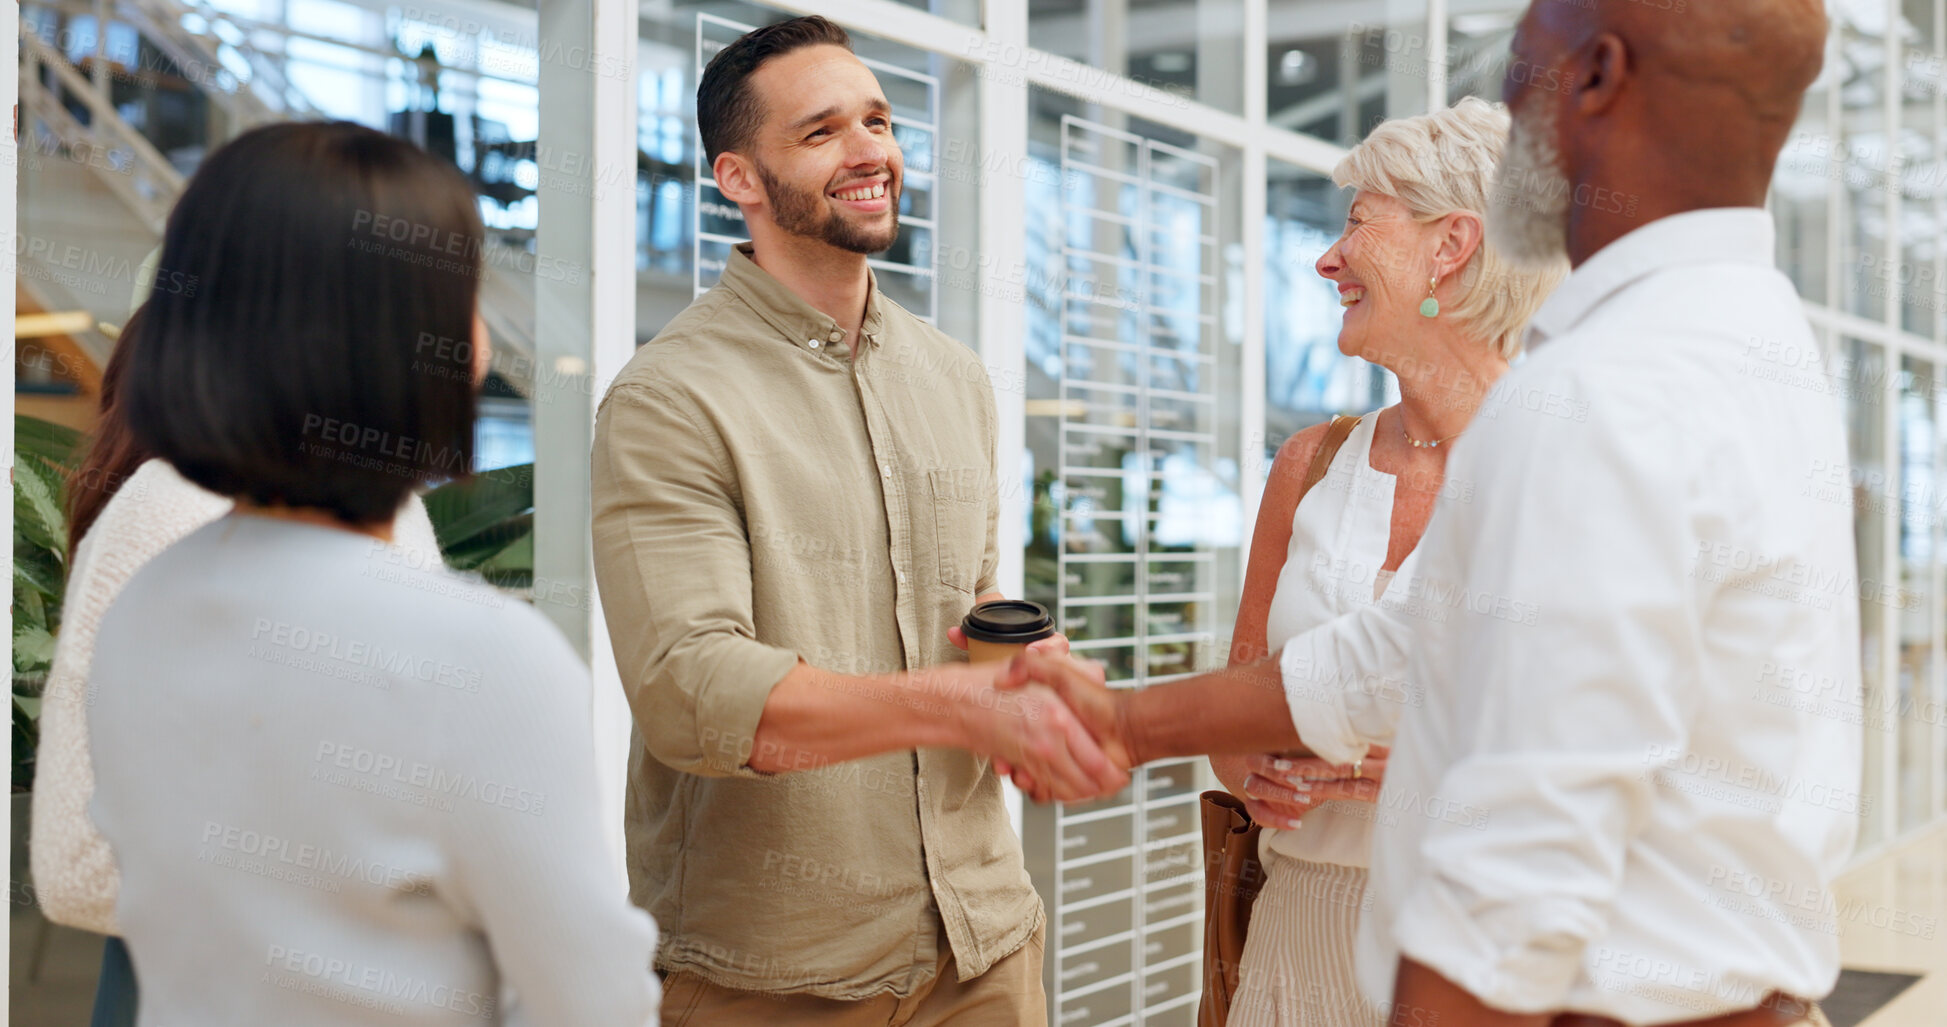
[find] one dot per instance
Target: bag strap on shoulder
(1328, 447)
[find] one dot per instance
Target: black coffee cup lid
(1009, 622)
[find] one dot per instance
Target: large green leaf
(482, 546)
(518, 557)
(38, 518)
(26, 735)
(482, 504)
(38, 571)
(56, 444)
(512, 567)
(33, 650)
(30, 611)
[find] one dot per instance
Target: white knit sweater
(74, 873)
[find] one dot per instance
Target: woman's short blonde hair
(1441, 163)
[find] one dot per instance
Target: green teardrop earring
(1430, 307)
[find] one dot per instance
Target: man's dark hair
(727, 112)
(308, 340)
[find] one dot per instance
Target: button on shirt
(762, 498)
(1635, 772)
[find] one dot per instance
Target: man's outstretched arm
(815, 717)
(674, 563)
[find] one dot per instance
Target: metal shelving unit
(1122, 878)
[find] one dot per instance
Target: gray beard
(1528, 222)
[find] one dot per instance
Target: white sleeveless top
(1339, 536)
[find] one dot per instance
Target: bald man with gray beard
(1605, 804)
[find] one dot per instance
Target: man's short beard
(1528, 219)
(804, 213)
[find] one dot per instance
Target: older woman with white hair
(1428, 299)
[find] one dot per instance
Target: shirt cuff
(729, 707)
(1317, 705)
(1518, 958)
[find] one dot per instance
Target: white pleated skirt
(1297, 965)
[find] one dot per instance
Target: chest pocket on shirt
(960, 497)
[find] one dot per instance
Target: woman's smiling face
(1381, 265)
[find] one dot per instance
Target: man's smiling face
(826, 154)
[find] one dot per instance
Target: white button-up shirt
(1629, 769)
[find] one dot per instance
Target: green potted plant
(43, 455)
(485, 524)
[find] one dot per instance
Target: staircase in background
(96, 189)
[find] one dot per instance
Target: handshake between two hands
(1067, 737)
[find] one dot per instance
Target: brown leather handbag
(1232, 874)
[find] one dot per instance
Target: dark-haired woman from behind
(341, 785)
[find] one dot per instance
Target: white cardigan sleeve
(74, 873)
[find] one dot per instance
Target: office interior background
(1118, 204)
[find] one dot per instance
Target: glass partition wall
(1129, 365)
(1858, 204)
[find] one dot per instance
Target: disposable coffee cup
(1003, 629)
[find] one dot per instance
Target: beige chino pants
(1009, 994)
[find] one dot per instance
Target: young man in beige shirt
(795, 499)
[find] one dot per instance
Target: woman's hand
(1282, 789)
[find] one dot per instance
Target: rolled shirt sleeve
(672, 560)
(1345, 681)
(1593, 657)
